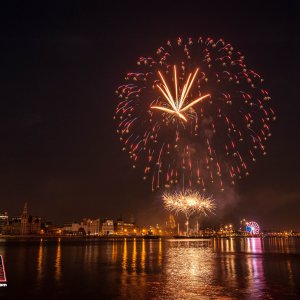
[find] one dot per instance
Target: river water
(246, 268)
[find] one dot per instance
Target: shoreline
(119, 237)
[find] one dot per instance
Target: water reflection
(160, 256)
(132, 268)
(134, 256)
(255, 275)
(143, 256)
(281, 245)
(218, 269)
(124, 261)
(40, 261)
(189, 269)
(133, 284)
(114, 252)
(245, 274)
(290, 273)
(58, 261)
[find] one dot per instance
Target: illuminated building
(125, 228)
(91, 227)
(25, 225)
(14, 226)
(3, 221)
(48, 228)
(119, 227)
(130, 228)
(243, 224)
(108, 227)
(67, 228)
(71, 228)
(29, 224)
(85, 227)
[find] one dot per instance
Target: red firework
(193, 114)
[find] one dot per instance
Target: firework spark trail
(198, 98)
(176, 107)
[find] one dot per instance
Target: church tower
(25, 224)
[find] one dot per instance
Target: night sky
(60, 65)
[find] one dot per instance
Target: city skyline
(180, 220)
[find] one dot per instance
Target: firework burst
(188, 202)
(194, 110)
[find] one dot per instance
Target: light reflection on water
(40, 261)
(189, 269)
(58, 261)
(248, 268)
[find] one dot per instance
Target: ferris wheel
(252, 227)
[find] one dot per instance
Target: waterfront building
(48, 228)
(91, 227)
(25, 225)
(13, 227)
(67, 228)
(108, 227)
(3, 221)
(130, 228)
(29, 224)
(119, 227)
(243, 225)
(125, 228)
(75, 227)
(85, 227)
